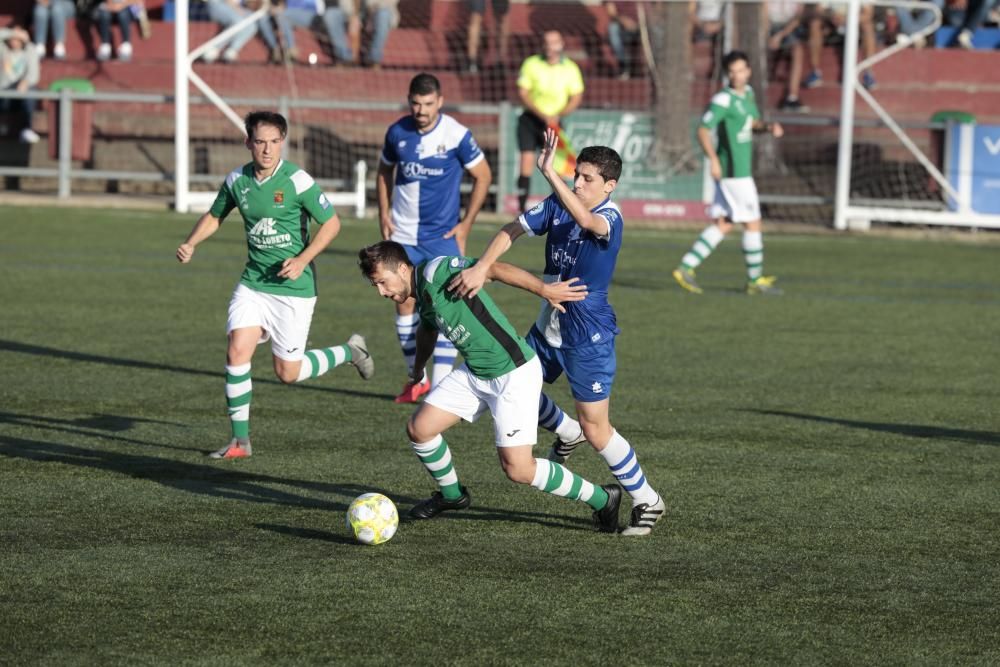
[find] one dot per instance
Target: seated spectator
(786, 30)
(623, 35)
(227, 13)
(292, 14)
(124, 12)
(18, 71)
(57, 13)
(968, 16)
(705, 17)
(828, 18)
(477, 8)
(382, 15)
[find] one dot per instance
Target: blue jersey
(573, 252)
(425, 198)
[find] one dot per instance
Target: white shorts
(284, 319)
(736, 200)
(512, 399)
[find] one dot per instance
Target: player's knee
(418, 432)
(597, 433)
(520, 472)
(286, 374)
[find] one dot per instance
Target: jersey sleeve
(525, 78)
(469, 151)
(389, 154)
(538, 220)
(717, 110)
(575, 84)
(224, 201)
(311, 197)
(615, 224)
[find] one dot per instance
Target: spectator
(550, 86)
(786, 29)
(477, 9)
(122, 11)
(291, 14)
(827, 18)
(623, 35)
(973, 14)
(706, 19)
(18, 72)
(383, 15)
(227, 13)
(56, 13)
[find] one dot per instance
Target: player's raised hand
(548, 155)
(563, 291)
(777, 130)
(185, 252)
(468, 282)
(292, 268)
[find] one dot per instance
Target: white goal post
(186, 200)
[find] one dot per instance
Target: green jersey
(484, 336)
(732, 117)
(276, 214)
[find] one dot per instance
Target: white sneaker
(40, 50)
(211, 55)
(29, 136)
(59, 51)
(230, 55)
(104, 52)
(644, 517)
(964, 40)
(125, 52)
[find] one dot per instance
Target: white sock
(624, 465)
(709, 240)
(753, 254)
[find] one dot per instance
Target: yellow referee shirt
(550, 86)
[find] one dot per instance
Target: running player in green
(276, 294)
(501, 373)
(734, 117)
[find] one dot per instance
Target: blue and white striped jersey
(425, 198)
(573, 252)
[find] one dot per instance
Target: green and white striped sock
(753, 254)
(239, 391)
(709, 240)
(317, 362)
(436, 457)
(559, 480)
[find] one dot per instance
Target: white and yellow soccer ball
(372, 518)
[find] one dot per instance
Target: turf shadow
(109, 423)
(307, 533)
(223, 481)
(27, 348)
(909, 430)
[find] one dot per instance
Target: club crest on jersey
(279, 197)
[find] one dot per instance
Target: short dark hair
(387, 254)
(255, 118)
(734, 56)
(607, 160)
(424, 84)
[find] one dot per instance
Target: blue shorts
(590, 370)
(428, 250)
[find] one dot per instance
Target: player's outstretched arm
(293, 267)
(581, 214)
(471, 280)
(555, 293)
(207, 225)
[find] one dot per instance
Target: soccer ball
(372, 518)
